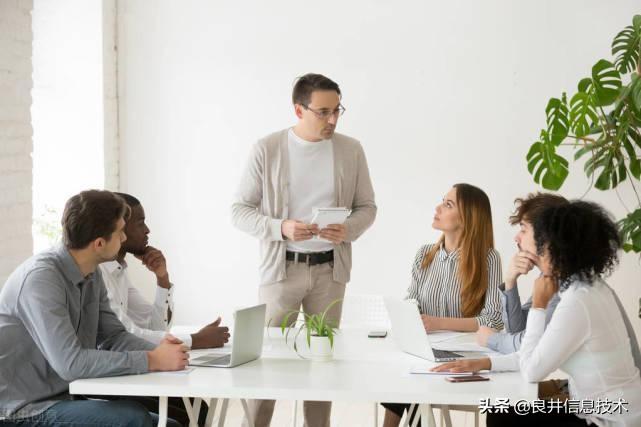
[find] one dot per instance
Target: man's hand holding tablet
(331, 221)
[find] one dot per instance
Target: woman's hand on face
(466, 365)
(544, 289)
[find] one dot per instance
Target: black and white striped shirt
(438, 290)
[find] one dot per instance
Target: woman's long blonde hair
(476, 241)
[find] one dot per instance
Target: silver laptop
(409, 332)
(247, 340)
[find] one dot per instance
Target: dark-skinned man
(145, 320)
(151, 321)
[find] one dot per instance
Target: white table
(363, 370)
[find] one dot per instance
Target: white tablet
(326, 216)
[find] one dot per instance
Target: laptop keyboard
(444, 354)
(213, 360)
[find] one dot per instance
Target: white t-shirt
(587, 339)
(311, 185)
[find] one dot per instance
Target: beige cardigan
(261, 202)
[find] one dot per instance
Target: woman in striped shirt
(456, 280)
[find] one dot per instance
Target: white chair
(362, 311)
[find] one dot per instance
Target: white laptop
(247, 340)
(410, 335)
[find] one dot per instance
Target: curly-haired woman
(586, 337)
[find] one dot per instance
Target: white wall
(16, 82)
(438, 93)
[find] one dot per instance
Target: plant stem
(616, 190)
(580, 138)
(634, 188)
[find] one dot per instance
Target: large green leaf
(609, 162)
(635, 93)
(557, 119)
(583, 115)
(630, 139)
(628, 102)
(630, 229)
(547, 167)
(585, 85)
(634, 163)
(605, 83)
(634, 135)
(626, 46)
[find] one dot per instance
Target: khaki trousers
(314, 288)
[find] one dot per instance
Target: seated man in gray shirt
(514, 313)
(56, 326)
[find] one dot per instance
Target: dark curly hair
(581, 238)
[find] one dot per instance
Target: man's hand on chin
(155, 262)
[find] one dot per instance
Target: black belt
(312, 258)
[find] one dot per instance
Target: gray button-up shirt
(56, 326)
(515, 318)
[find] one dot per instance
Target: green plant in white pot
(319, 332)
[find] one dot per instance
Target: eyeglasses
(326, 114)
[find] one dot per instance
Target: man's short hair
(530, 208)
(308, 83)
(89, 215)
(131, 200)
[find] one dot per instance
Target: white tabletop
(363, 369)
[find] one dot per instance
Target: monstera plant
(602, 123)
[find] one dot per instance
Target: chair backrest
(364, 311)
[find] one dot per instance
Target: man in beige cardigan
(289, 173)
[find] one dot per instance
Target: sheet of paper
(453, 346)
(171, 373)
(425, 370)
(440, 336)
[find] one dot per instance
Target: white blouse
(587, 339)
(145, 320)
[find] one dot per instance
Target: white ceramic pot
(320, 349)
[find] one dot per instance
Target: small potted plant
(319, 331)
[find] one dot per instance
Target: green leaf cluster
(603, 122)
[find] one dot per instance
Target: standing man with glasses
(289, 173)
